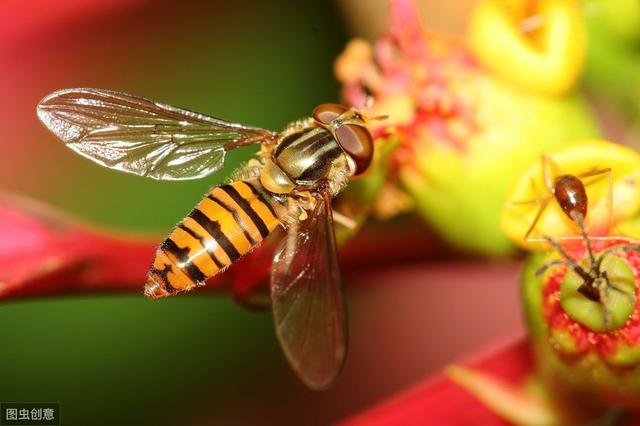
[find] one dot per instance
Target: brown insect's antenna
(579, 220)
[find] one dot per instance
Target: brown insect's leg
(595, 172)
(607, 252)
(604, 296)
(550, 264)
(538, 200)
(604, 299)
(622, 247)
(543, 205)
(611, 286)
(548, 179)
(542, 202)
(545, 161)
(567, 260)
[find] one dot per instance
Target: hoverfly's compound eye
(326, 113)
(357, 142)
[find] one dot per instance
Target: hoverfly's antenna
(369, 101)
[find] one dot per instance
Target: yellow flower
(537, 45)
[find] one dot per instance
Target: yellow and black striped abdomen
(226, 224)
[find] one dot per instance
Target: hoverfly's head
(350, 129)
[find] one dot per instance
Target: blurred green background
(200, 360)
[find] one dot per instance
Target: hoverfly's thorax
(304, 158)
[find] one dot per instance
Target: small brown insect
(570, 193)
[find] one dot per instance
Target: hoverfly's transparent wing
(143, 137)
(306, 293)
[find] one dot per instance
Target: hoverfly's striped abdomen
(225, 225)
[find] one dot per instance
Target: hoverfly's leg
(344, 220)
(393, 201)
(294, 214)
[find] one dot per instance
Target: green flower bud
(614, 310)
(587, 361)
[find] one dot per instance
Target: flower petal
(547, 58)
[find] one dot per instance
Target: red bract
(502, 382)
(44, 252)
(440, 401)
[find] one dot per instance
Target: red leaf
(440, 401)
(45, 252)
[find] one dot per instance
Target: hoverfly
(291, 185)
